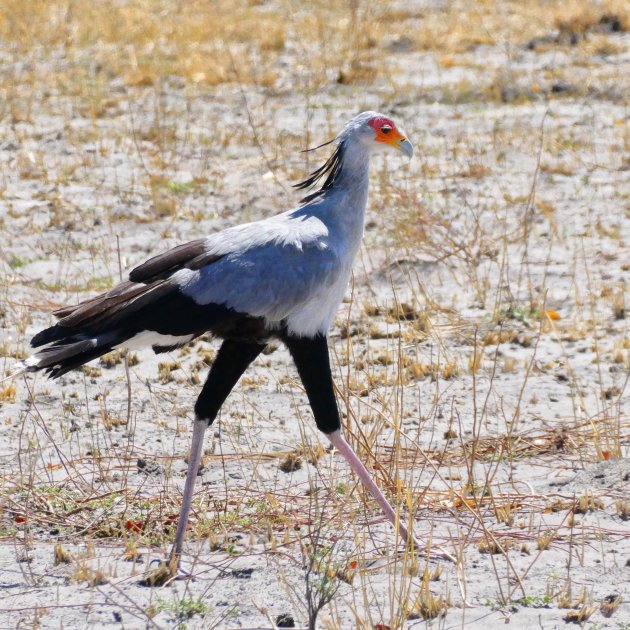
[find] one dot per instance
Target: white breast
(316, 315)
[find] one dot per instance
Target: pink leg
(196, 448)
(339, 442)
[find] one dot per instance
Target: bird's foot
(414, 546)
(438, 553)
(165, 573)
(433, 552)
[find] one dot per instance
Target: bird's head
(377, 132)
(368, 132)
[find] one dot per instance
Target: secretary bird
(278, 278)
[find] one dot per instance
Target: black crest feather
(331, 169)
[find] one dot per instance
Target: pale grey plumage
(270, 268)
(294, 266)
(281, 277)
(289, 270)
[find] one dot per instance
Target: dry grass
(485, 353)
(144, 41)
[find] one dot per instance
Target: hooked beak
(394, 138)
(405, 146)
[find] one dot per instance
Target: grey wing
(267, 281)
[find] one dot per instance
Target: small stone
(149, 467)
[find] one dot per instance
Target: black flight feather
(147, 284)
(190, 255)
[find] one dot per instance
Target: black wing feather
(147, 283)
(190, 255)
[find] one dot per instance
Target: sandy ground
(494, 405)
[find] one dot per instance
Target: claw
(165, 573)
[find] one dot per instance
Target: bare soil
(481, 354)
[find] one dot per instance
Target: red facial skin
(393, 137)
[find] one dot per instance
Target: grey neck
(348, 197)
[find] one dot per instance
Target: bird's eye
(386, 128)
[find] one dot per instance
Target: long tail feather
(68, 353)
